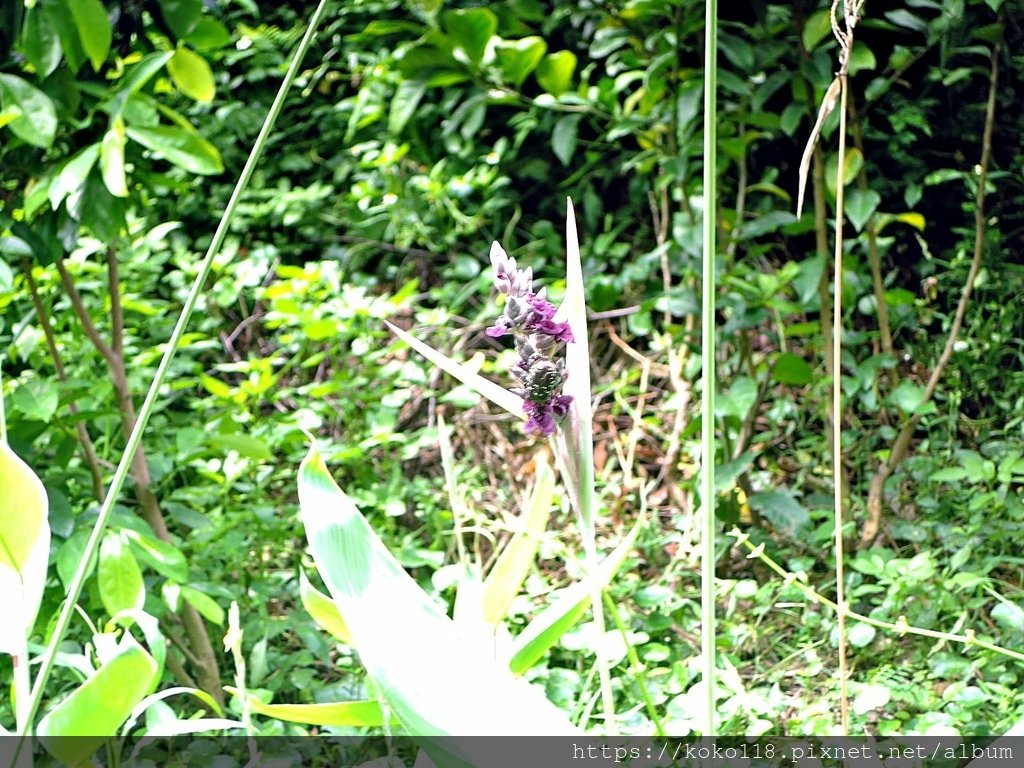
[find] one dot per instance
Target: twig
(901, 446)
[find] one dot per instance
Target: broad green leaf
(563, 138)
(209, 35)
(792, 369)
(37, 399)
(404, 104)
(817, 27)
(185, 149)
(860, 205)
(518, 58)
(860, 634)
(119, 576)
(182, 16)
(95, 710)
(138, 76)
(67, 32)
(908, 396)
(853, 161)
(496, 394)
(73, 175)
(353, 714)
(948, 475)
(567, 608)
(323, 610)
(782, 509)
(471, 28)
(162, 556)
(506, 577)
(112, 158)
(554, 73)
(94, 29)
(36, 123)
(205, 604)
(40, 41)
(99, 210)
(192, 74)
(435, 682)
(24, 549)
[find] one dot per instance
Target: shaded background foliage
(422, 132)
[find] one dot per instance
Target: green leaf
(506, 577)
(182, 16)
(948, 475)
(112, 158)
(817, 27)
(192, 75)
(860, 205)
(1009, 615)
(860, 634)
(37, 399)
(792, 369)
(24, 549)
(119, 577)
(403, 105)
(339, 714)
(185, 149)
(60, 17)
(782, 510)
(554, 73)
(853, 161)
(563, 138)
(36, 121)
(471, 29)
(94, 29)
(98, 707)
(566, 609)
(162, 556)
(40, 41)
(205, 604)
(908, 397)
(246, 445)
(518, 58)
(99, 210)
(396, 626)
(73, 175)
(209, 35)
(323, 610)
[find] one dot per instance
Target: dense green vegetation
(415, 135)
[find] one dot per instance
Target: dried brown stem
(901, 447)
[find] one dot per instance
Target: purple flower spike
(530, 318)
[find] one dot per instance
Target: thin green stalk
(707, 378)
(121, 473)
(901, 626)
(837, 415)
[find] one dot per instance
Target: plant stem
(121, 473)
(88, 448)
(707, 452)
(901, 627)
(901, 447)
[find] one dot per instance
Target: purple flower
(530, 318)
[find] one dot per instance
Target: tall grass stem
(707, 451)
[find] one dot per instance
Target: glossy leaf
(95, 710)
(185, 149)
(323, 610)
(94, 29)
(182, 16)
(407, 98)
(36, 121)
(792, 369)
(24, 548)
(112, 159)
(40, 41)
(192, 75)
(161, 556)
(471, 29)
(351, 714)
(119, 577)
(860, 205)
(518, 58)
(395, 625)
(73, 175)
(554, 73)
